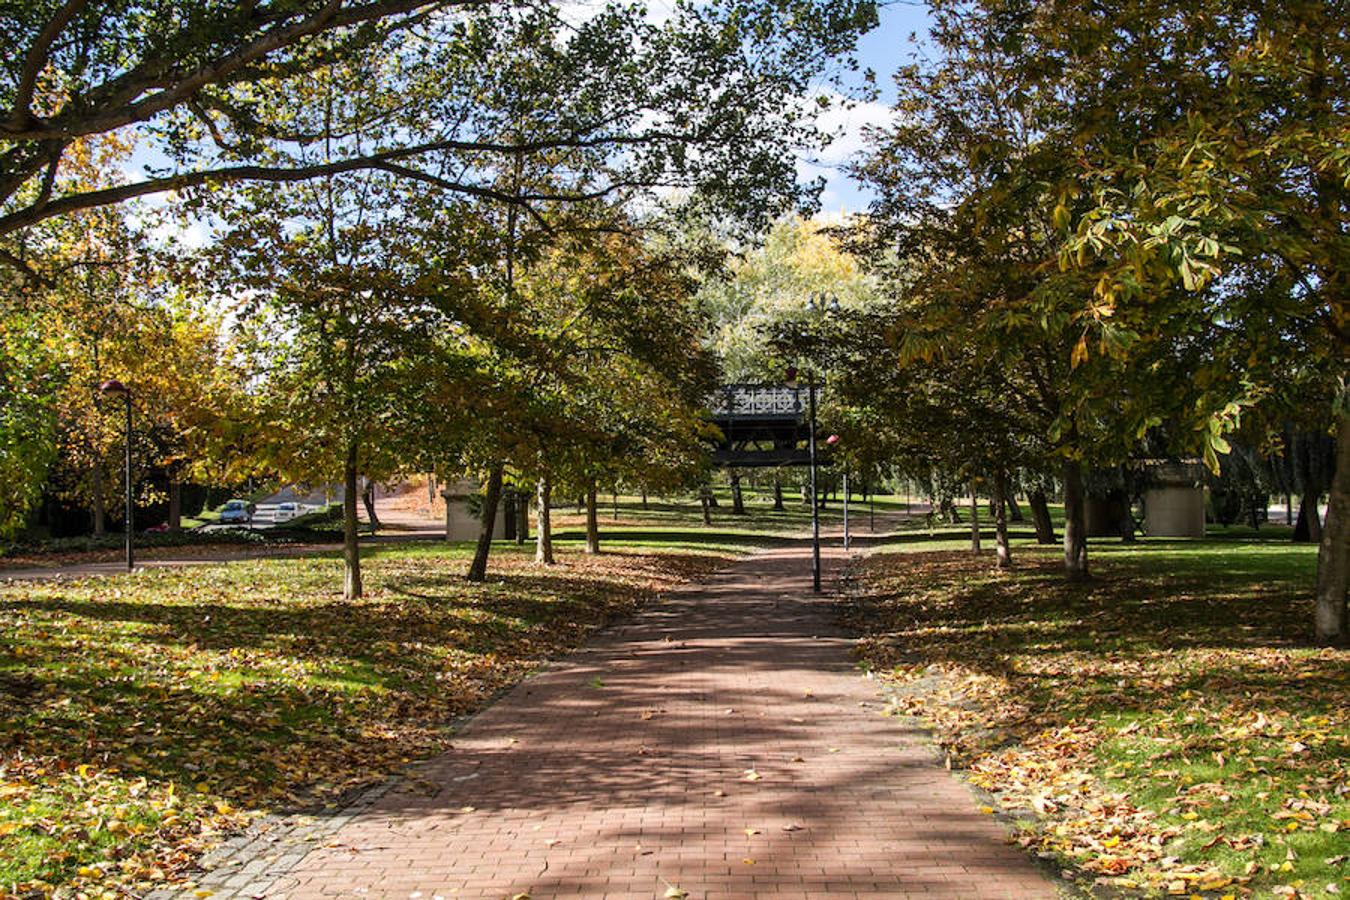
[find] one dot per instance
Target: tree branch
(21, 115)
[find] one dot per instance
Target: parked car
(237, 512)
(286, 511)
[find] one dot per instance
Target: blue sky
(883, 50)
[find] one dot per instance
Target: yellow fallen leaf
(674, 893)
(748, 861)
(751, 832)
(751, 775)
(987, 810)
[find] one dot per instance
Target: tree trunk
(712, 499)
(616, 505)
(1040, 515)
(486, 523)
(777, 495)
(644, 499)
(1126, 521)
(1333, 564)
(1288, 509)
(522, 518)
(1014, 511)
(543, 545)
(1075, 529)
(100, 512)
(705, 502)
(175, 506)
(737, 500)
(351, 551)
(1309, 526)
(1001, 496)
(974, 520)
(368, 499)
(592, 519)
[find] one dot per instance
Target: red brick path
(723, 743)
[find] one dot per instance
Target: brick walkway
(722, 744)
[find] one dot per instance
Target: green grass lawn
(141, 716)
(1165, 728)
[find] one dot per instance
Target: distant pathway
(721, 744)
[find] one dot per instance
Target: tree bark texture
(486, 523)
(1308, 529)
(1333, 553)
(368, 499)
(1001, 520)
(974, 520)
(737, 500)
(1075, 526)
(100, 512)
(543, 545)
(522, 518)
(777, 495)
(351, 550)
(1040, 516)
(592, 519)
(175, 505)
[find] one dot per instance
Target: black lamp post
(811, 451)
(118, 389)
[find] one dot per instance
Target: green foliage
(28, 382)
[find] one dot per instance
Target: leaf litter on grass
(1164, 729)
(143, 717)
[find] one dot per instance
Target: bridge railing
(749, 401)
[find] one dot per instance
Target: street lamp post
(118, 389)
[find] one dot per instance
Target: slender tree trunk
(705, 502)
(1289, 509)
(368, 499)
(100, 512)
(1075, 528)
(1333, 553)
(486, 523)
(592, 519)
(1126, 521)
(1040, 516)
(175, 505)
(543, 545)
(1001, 519)
(737, 500)
(522, 518)
(351, 550)
(1311, 518)
(644, 498)
(1014, 511)
(777, 495)
(615, 498)
(974, 520)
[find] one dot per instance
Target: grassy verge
(1164, 729)
(142, 716)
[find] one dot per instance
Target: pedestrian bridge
(762, 425)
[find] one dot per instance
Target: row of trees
(1107, 228)
(424, 253)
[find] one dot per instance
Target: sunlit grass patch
(142, 715)
(1168, 727)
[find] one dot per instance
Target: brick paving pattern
(722, 743)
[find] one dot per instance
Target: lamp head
(791, 376)
(114, 388)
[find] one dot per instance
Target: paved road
(721, 744)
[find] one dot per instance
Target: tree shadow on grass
(1109, 646)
